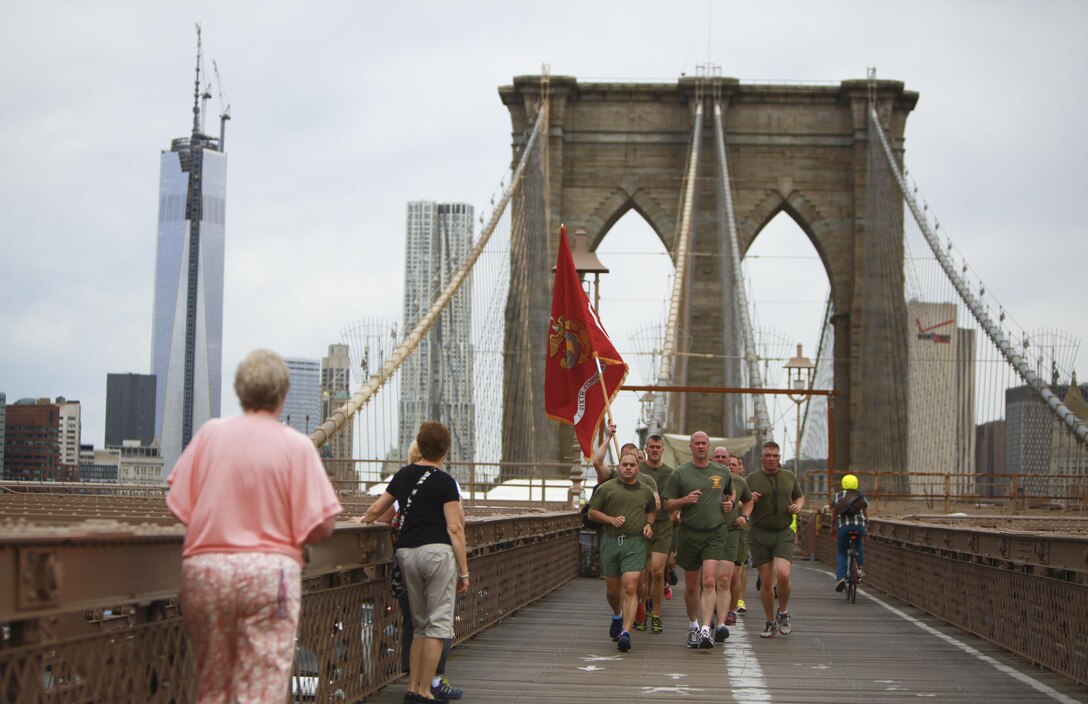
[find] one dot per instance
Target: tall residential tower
(187, 323)
(436, 381)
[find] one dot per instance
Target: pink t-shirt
(249, 484)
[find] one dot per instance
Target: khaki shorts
(764, 545)
(662, 540)
(430, 578)
(620, 554)
(696, 546)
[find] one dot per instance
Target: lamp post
(799, 378)
(585, 262)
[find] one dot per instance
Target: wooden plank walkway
(877, 650)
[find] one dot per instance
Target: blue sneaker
(615, 628)
(624, 643)
(445, 690)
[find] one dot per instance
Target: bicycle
(853, 577)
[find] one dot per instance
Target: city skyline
(334, 136)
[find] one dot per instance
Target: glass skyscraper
(302, 407)
(187, 323)
(130, 408)
(436, 380)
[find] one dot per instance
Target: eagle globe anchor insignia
(574, 339)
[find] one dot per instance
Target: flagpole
(607, 404)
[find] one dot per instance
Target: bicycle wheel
(852, 578)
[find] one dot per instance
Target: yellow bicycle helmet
(849, 482)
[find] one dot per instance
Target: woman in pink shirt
(251, 492)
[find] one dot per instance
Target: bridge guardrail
(95, 617)
(1022, 589)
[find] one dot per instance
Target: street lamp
(799, 378)
(585, 262)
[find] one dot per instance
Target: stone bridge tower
(802, 149)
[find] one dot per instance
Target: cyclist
(848, 516)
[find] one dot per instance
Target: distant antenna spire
(196, 86)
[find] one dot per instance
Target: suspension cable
(1079, 428)
(764, 428)
(335, 422)
(668, 350)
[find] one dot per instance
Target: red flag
(576, 340)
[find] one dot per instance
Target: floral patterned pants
(241, 615)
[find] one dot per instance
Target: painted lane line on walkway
(746, 682)
(997, 665)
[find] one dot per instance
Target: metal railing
(94, 617)
(1013, 491)
(1020, 586)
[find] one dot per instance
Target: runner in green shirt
(661, 545)
(604, 473)
(627, 509)
(740, 581)
(736, 520)
(700, 489)
(778, 498)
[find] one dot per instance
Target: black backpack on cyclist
(851, 503)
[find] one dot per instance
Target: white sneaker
(784, 626)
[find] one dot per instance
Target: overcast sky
(344, 111)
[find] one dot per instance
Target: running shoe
(769, 629)
(741, 608)
(784, 626)
(624, 643)
(721, 633)
(655, 624)
(693, 637)
(840, 585)
(861, 575)
(668, 592)
(615, 628)
(640, 625)
(704, 638)
(731, 618)
(445, 690)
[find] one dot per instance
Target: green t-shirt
(777, 491)
(614, 498)
(744, 495)
(714, 480)
(660, 475)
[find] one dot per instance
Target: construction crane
(204, 97)
(224, 107)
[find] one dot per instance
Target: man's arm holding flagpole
(604, 472)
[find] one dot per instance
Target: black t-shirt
(426, 519)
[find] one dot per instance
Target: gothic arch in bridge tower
(618, 204)
(800, 210)
(803, 149)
